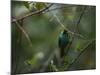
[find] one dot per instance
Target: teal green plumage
(63, 42)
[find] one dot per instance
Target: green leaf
(78, 45)
(33, 62)
(26, 4)
(39, 6)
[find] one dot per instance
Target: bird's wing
(59, 42)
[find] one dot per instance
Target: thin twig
(48, 61)
(24, 32)
(82, 51)
(62, 7)
(80, 18)
(32, 13)
(19, 46)
(82, 13)
(74, 29)
(62, 25)
(76, 26)
(53, 66)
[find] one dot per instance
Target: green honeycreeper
(63, 42)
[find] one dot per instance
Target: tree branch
(62, 25)
(53, 66)
(80, 18)
(24, 32)
(82, 13)
(76, 26)
(49, 61)
(62, 7)
(82, 51)
(32, 13)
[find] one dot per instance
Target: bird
(63, 41)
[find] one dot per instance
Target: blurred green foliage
(43, 31)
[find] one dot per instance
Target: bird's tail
(62, 52)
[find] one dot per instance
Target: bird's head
(65, 32)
